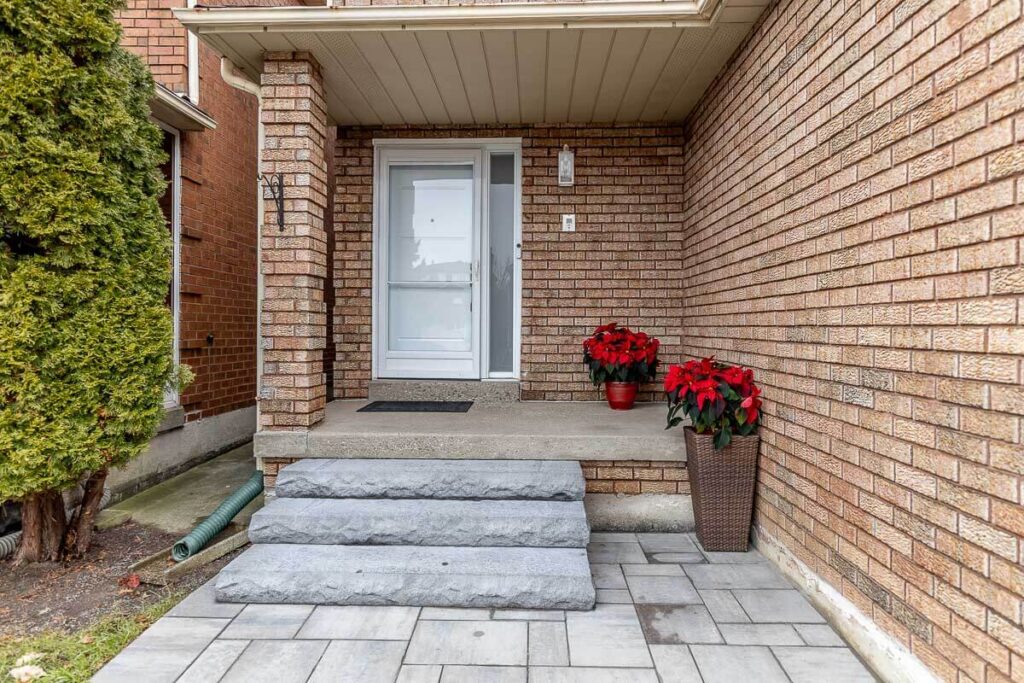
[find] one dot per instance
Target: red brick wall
(218, 217)
(152, 32)
(622, 263)
(853, 232)
(218, 249)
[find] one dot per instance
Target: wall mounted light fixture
(566, 167)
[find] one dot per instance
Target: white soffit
(536, 62)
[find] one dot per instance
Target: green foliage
(85, 334)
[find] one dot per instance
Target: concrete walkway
(181, 502)
(666, 611)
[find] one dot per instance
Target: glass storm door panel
(431, 308)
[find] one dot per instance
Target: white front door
(429, 267)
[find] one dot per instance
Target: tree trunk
(42, 528)
(31, 547)
(79, 530)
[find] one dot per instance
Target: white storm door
(429, 293)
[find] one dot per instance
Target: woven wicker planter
(722, 483)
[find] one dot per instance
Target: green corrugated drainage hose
(197, 539)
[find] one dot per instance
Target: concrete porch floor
(667, 611)
(533, 430)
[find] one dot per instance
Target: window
(170, 205)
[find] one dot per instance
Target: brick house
(827, 192)
(210, 135)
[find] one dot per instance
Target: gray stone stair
(449, 479)
(354, 521)
(531, 578)
(451, 533)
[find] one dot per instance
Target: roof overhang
(528, 62)
(176, 111)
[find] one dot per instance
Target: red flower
(697, 384)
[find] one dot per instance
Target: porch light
(566, 167)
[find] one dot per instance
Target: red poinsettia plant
(719, 399)
(618, 354)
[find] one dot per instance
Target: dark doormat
(416, 407)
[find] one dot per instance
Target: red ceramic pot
(621, 395)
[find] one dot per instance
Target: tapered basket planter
(722, 483)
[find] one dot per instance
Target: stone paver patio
(667, 611)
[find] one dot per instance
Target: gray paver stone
(610, 635)
(500, 643)
(778, 606)
(268, 621)
(805, 664)
(214, 662)
(329, 622)
(548, 644)
(675, 663)
(662, 590)
(670, 625)
(737, 664)
(293, 661)
(736, 576)
(483, 674)
(366, 661)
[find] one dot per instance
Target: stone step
(530, 578)
(494, 393)
(355, 521)
(464, 479)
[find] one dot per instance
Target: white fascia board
(536, 15)
(178, 112)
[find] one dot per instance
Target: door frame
(387, 151)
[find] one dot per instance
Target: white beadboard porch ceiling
(536, 62)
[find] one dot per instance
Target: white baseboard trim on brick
(889, 659)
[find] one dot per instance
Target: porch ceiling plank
(563, 53)
(273, 42)
(717, 51)
(413, 63)
(338, 84)
(485, 63)
(500, 50)
(651, 63)
(675, 73)
(378, 55)
(348, 55)
(531, 67)
(622, 61)
(469, 54)
(440, 56)
(590, 66)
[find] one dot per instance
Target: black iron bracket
(275, 184)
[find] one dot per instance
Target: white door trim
(387, 151)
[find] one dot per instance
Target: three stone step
(528, 578)
(448, 479)
(455, 533)
(357, 521)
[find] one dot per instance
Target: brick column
(294, 260)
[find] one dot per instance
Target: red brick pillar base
(294, 260)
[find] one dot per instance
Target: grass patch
(74, 657)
